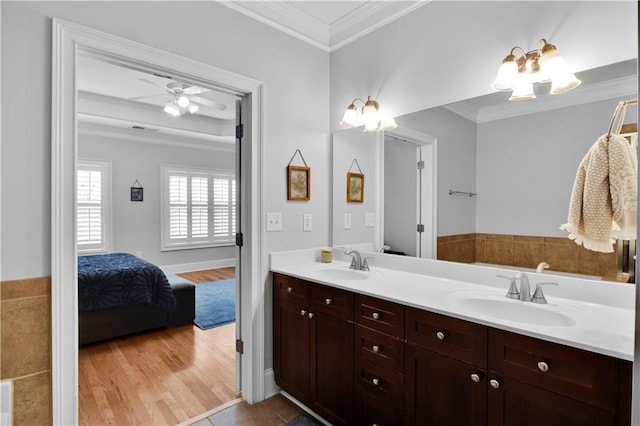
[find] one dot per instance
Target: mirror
(520, 161)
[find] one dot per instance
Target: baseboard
(305, 408)
(199, 266)
(270, 387)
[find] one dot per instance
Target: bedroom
(140, 153)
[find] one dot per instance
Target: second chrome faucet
(524, 293)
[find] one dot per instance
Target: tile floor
(275, 411)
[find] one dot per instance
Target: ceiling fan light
(183, 101)
(193, 108)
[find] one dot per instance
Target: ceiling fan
(183, 98)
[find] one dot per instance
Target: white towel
(604, 198)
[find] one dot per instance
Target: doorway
(69, 39)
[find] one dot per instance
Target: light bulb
(523, 91)
(387, 123)
(351, 117)
(193, 108)
(183, 101)
(507, 74)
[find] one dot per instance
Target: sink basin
(343, 274)
(516, 311)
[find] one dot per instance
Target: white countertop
(596, 316)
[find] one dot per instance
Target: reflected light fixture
(180, 105)
(542, 65)
(370, 115)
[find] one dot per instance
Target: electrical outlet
(369, 220)
(347, 221)
(274, 222)
(306, 222)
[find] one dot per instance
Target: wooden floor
(162, 377)
(276, 411)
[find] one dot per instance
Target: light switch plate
(369, 219)
(274, 222)
(307, 222)
(347, 221)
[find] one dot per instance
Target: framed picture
(136, 193)
(355, 187)
(298, 183)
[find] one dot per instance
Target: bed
(121, 294)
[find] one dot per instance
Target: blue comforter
(120, 279)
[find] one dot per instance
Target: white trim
(209, 413)
(199, 266)
(67, 40)
(270, 386)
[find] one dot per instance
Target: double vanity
(422, 342)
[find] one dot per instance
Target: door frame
(67, 40)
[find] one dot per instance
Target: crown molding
(616, 88)
(287, 18)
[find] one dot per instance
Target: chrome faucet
(383, 248)
(356, 262)
(525, 292)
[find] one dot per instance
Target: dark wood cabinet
(356, 359)
(313, 346)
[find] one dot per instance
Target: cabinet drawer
(578, 374)
(379, 348)
(381, 315)
(379, 381)
(332, 301)
(461, 340)
(371, 410)
(290, 288)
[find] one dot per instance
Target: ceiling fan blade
(146, 97)
(208, 102)
(194, 90)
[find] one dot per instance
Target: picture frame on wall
(298, 183)
(137, 193)
(355, 187)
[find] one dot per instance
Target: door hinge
(239, 131)
(240, 346)
(420, 165)
(239, 239)
(420, 227)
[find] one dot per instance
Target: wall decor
(298, 180)
(355, 184)
(136, 191)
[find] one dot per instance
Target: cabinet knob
(303, 312)
(311, 315)
(543, 366)
(441, 335)
(289, 289)
(328, 301)
(494, 383)
(375, 348)
(375, 315)
(375, 381)
(475, 378)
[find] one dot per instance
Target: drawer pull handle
(328, 301)
(475, 378)
(375, 348)
(303, 312)
(289, 289)
(494, 383)
(311, 315)
(375, 315)
(543, 366)
(441, 335)
(375, 381)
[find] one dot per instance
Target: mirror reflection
(519, 159)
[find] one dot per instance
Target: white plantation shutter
(199, 208)
(92, 206)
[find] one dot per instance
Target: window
(93, 206)
(199, 208)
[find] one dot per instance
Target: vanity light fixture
(370, 116)
(179, 105)
(542, 65)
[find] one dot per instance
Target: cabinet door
(519, 404)
(291, 348)
(441, 391)
(332, 368)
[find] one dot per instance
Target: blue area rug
(215, 303)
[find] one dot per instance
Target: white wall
(447, 51)
(527, 165)
(137, 225)
(296, 82)
(456, 166)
